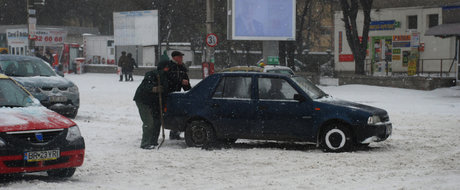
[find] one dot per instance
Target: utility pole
(209, 28)
(31, 25)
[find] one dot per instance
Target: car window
(311, 89)
(275, 89)
(12, 95)
(234, 87)
(26, 68)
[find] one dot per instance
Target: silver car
(54, 91)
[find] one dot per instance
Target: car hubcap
(335, 139)
(199, 134)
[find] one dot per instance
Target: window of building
(412, 22)
(433, 20)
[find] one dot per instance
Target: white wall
(97, 46)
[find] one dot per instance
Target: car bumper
(373, 133)
(64, 109)
(17, 164)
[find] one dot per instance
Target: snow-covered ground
(422, 153)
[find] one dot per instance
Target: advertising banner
(50, 37)
(17, 37)
(136, 28)
(382, 25)
(263, 20)
(43, 37)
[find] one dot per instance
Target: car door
(232, 106)
(281, 117)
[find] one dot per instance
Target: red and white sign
(50, 37)
(346, 58)
(211, 40)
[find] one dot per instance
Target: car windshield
(26, 67)
(11, 95)
(311, 89)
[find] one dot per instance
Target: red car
(34, 138)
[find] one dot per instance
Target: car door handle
(215, 105)
(306, 117)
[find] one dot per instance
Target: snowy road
(422, 153)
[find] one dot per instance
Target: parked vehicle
(34, 138)
(228, 106)
(53, 91)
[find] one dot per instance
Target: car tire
(336, 138)
(61, 173)
(199, 134)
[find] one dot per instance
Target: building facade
(398, 44)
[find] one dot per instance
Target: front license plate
(41, 155)
(58, 99)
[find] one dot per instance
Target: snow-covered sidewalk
(422, 153)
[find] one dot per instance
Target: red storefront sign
(346, 58)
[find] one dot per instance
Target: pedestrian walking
(130, 66)
(153, 85)
(123, 62)
(177, 80)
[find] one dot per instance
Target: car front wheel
(61, 173)
(199, 133)
(336, 138)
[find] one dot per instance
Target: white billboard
(136, 28)
(263, 19)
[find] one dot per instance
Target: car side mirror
(299, 98)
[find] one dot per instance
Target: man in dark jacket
(130, 67)
(177, 80)
(123, 62)
(153, 85)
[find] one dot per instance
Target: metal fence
(445, 67)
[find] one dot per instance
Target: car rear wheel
(336, 138)
(199, 133)
(61, 173)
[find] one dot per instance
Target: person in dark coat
(153, 85)
(123, 62)
(130, 66)
(38, 54)
(177, 80)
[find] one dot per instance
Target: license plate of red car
(34, 156)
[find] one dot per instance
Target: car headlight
(2, 142)
(373, 120)
(73, 133)
(73, 88)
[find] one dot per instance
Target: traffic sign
(211, 40)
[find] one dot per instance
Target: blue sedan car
(228, 106)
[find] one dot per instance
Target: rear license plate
(41, 155)
(58, 99)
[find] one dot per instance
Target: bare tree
(358, 47)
